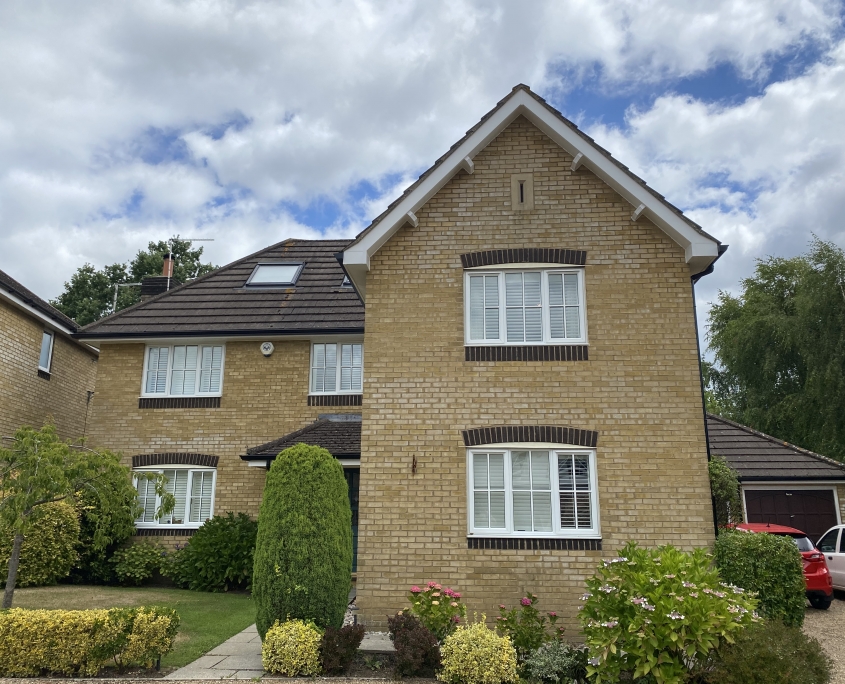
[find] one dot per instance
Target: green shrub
(417, 651)
(724, 485)
(303, 552)
(475, 654)
(339, 648)
(219, 556)
(526, 627)
(136, 563)
(74, 642)
(557, 662)
(103, 529)
(771, 653)
(769, 564)
(292, 648)
(48, 551)
(658, 612)
(439, 608)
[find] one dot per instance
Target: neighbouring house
(523, 399)
(781, 483)
(45, 374)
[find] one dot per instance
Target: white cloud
(333, 94)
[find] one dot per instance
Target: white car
(832, 545)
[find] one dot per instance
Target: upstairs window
(274, 275)
(193, 490)
(529, 492)
(337, 368)
(45, 358)
(525, 307)
(183, 370)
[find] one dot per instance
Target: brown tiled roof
(758, 457)
(12, 286)
(563, 119)
(220, 303)
(339, 435)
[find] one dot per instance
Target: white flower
(675, 615)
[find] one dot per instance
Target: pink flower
(456, 619)
(454, 604)
(456, 594)
(436, 593)
(415, 590)
(502, 606)
(437, 586)
(432, 584)
(526, 601)
(552, 614)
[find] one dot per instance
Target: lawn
(207, 619)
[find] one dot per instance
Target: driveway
(828, 626)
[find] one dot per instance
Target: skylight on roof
(275, 274)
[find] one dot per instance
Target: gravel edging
(828, 626)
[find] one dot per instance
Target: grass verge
(207, 619)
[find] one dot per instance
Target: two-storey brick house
(530, 396)
(45, 374)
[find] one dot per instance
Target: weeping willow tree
(779, 349)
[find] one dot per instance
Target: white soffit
(700, 250)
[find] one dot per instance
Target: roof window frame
(250, 284)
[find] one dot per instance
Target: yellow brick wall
(263, 398)
(25, 398)
(640, 389)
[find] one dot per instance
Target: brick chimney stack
(167, 268)
(154, 285)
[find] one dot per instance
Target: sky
(251, 122)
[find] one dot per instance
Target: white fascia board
(49, 322)
(699, 250)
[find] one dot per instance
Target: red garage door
(810, 510)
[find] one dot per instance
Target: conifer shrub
(303, 552)
(48, 551)
(768, 564)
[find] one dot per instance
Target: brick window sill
(178, 402)
(535, 544)
(527, 353)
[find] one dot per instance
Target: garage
(781, 484)
(811, 510)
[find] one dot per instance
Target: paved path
(240, 657)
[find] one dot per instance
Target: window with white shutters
(337, 368)
(529, 492)
(193, 490)
(525, 307)
(183, 370)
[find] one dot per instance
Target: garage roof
(758, 457)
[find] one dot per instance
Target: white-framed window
(532, 491)
(45, 358)
(538, 306)
(181, 370)
(193, 489)
(337, 368)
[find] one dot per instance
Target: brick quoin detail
(505, 434)
(531, 255)
(175, 459)
(540, 352)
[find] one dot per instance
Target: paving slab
(247, 662)
(376, 642)
(189, 672)
(236, 648)
(248, 674)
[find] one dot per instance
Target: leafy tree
(39, 468)
(724, 486)
(780, 350)
(90, 293)
(303, 552)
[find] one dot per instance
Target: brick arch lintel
(175, 458)
(551, 434)
(537, 255)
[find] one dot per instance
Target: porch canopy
(337, 433)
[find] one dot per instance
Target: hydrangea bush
(438, 608)
(527, 627)
(659, 612)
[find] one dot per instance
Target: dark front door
(813, 511)
(353, 478)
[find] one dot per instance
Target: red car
(816, 575)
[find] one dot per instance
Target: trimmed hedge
(292, 648)
(303, 553)
(769, 564)
(71, 642)
(219, 556)
(475, 654)
(48, 551)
